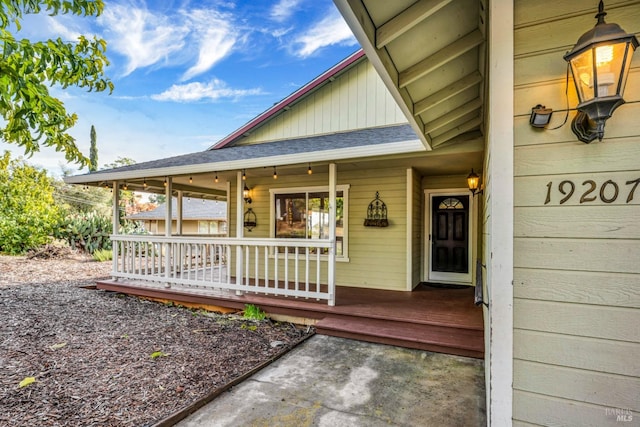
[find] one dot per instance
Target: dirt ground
(105, 359)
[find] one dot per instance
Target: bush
(28, 213)
(87, 232)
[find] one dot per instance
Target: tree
(32, 117)
(28, 213)
(93, 153)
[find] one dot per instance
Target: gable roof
(295, 97)
(335, 146)
(192, 209)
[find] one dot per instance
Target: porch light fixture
(216, 178)
(540, 116)
(246, 194)
(599, 64)
(190, 180)
(144, 183)
(165, 182)
(250, 220)
(275, 173)
(309, 171)
(473, 181)
(124, 187)
(244, 174)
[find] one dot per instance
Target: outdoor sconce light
(599, 64)
(246, 194)
(473, 181)
(540, 116)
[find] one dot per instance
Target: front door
(449, 238)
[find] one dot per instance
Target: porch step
(437, 338)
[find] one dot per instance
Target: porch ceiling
(431, 56)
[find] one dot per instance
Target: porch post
(116, 226)
(499, 168)
(179, 215)
(239, 228)
(168, 192)
(332, 234)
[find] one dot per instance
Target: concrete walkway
(332, 382)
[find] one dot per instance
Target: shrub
(87, 232)
(28, 213)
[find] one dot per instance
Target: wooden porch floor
(439, 319)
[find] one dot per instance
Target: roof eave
(364, 151)
(374, 56)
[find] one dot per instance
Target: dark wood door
(450, 234)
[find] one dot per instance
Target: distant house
(199, 216)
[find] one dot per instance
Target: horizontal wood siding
(576, 233)
(377, 256)
(356, 99)
(417, 232)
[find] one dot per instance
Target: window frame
(344, 188)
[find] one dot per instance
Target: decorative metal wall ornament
(250, 220)
(376, 213)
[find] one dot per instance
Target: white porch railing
(290, 267)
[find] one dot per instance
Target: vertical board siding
(577, 258)
(357, 99)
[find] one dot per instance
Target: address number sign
(589, 191)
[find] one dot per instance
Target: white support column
(179, 215)
(116, 225)
(168, 192)
(239, 227)
(499, 248)
(332, 233)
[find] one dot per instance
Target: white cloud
(148, 38)
(216, 37)
(197, 91)
(143, 37)
(283, 10)
(331, 30)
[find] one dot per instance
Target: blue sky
(187, 73)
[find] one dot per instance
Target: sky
(188, 73)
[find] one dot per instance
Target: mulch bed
(105, 359)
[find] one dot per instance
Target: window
(304, 214)
(212, 227)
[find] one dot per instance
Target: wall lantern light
(540, 116)
(599, 64)
(246, 194)
(473, 181)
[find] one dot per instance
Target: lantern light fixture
(599, 63)
(473, 181)
(246, 195)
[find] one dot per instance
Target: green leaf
(157, 354)
(26, 382)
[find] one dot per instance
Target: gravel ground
(105, 359)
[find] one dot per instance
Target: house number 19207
(608, 191)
